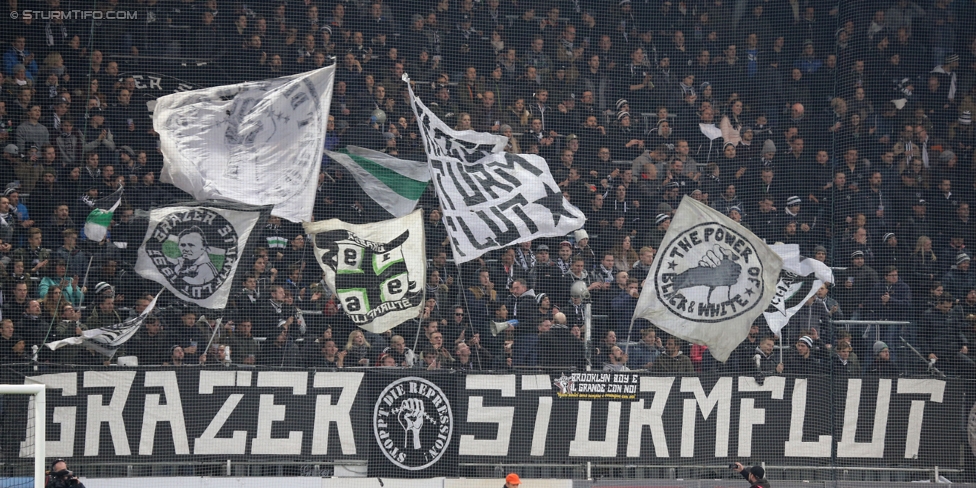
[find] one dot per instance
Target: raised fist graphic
(411, 418)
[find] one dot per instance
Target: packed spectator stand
(843, 127)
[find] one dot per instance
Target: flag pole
(84, 281)
(54, 317)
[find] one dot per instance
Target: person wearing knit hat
(966, 117)
(656, 235)
(947, 156)
(802, 361)
(621, 104)
(882, 366)
(958, 279)
(621, 114)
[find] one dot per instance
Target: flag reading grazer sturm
(395, 184)
(107, 340)
(377, 270)
(100, 217)
(490, 199)
(710, 280)
(258, 143)
(194, 248)
(799, 280)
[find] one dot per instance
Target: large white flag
(107, 340)
(710, 280)
(377, 270)
(194, 248)
(258, 142)
(799, 280)
(491, 199)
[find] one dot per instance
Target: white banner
(258, 143)
(194, 249)
(799, 280)
(711, 279)
(377, 270)
(491, 199)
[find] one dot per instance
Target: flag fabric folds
(194, 248)
(258, 143)
(710, 280)
(376, 270)
(100, 217)
(490, 199)
(107, 340)
(799, 280)
(395, 184)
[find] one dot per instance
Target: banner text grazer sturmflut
(424, 422)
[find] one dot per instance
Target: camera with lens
(63, 478)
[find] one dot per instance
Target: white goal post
(39, 424)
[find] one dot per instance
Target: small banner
(799, 280)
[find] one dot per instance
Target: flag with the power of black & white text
(710, 280)
(799, 281)
(258, 142)
(378, 270)
(490, 199)
(107, 340)
(195, 248)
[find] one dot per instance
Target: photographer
(61, 477)
(754, 475)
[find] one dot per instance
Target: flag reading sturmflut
(710, 280)
(799, 280)
(378, 271)
(258, 142)
(100, 217)
(490, 199)
(107, 340)
(395, 184)
(194, 248)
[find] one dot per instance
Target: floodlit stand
(39, 424)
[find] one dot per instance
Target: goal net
(22, 432)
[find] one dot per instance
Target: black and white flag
(194, 248)
(377, 270)
(491, 199)
(710, 280)
(107, 340)
(799, 280)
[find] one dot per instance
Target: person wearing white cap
(889, 253)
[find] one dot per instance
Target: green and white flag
(395, 184)
(96, 225)
(377, 270)
(194, 248)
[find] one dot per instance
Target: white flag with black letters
(194, 248)
(799, 280)
(491, 199)
(378, 270)
(710, 280)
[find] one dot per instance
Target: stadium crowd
(843, 127)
